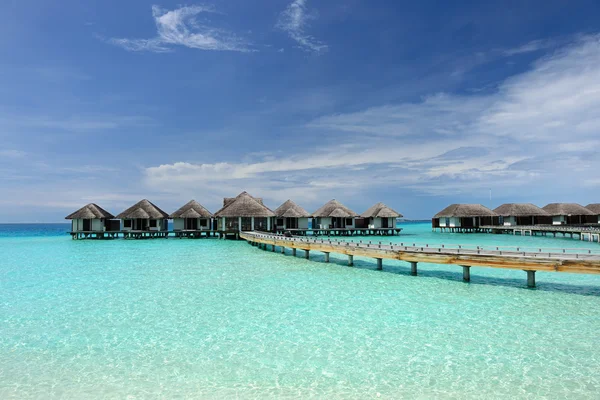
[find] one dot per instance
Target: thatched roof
(289, 209)
(520, 210)
(334, 208)
(566, 209)
(91, 211)
(594, 207)
(191, 209)
(244, 205)
(144, 210)
(465, 210)
(380, 210)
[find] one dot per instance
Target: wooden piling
(466, 273)
(379, 264)
(413, 268)
(530, 278)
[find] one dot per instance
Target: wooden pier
(189, 234)
(550, 260)
(590, 233)
(342, 232)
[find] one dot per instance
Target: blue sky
(417, 104)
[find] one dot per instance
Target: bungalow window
(348, 221)
(153, 223)
(279, 221)
(127, 223)
(204, 223)
(501, 220)
(447, 221)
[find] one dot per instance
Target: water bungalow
(595, 209)
(92, 221)
(243, 213)
(380, 216)
(464, 218)
(290, 216)
(514, 214)
(334, 215)
(143, 220)
(192, 220)
(570, 214)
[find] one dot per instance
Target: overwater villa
(244, 213)
(515, 214)
(290, 216)
(380, 216)
(334, 215)
(144, 217)
(191, 219)
(464, 218)
(92, 221)
(570, 214)
(595, 209)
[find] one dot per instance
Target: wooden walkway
(590, 233)
(551, 260)
(191, 234)
(342, 232)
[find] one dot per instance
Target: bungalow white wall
(510, 221)
(204, 224)
(302, 223)
(451, 222)
(559, 220)
(157, 222)
(378, 222)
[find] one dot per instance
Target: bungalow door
(384, 222)
(87, 225)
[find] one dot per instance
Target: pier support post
(530, 279)
(466, 273)
(350, 260)
(307, 254)
(326, 257)
(273, 248)
(294, 252)
(282, 250)
(379, 264)
(413, 268)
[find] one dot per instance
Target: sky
(415, 104)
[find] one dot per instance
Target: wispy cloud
(180, 27)
(530, 47)
(537, 130)
(294, 21)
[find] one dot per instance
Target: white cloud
(180, 27)
(294, 21)
(536, 132)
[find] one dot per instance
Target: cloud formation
(539, 129)
(294, 21)
(180, 27)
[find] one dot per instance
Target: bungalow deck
(589, 232)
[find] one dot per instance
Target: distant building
(570, 214)
(460, 217)
(334, 215)
(92, 218)
(144, 216)
(380, 216)
(192, 217)
(244, 213)
(595, 209)
(290, 215)
(513, 214)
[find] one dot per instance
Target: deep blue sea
(178, 318)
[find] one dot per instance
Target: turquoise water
(222, 319)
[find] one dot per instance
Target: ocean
(209, 318)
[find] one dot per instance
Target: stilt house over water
(334, 215)
(244, 213)
(290, 215)
(144, 216)
(570, 214)
(92, 218)
(513, 214)
(192, 217)
(464, 217)
(595, 209)
(380, 216)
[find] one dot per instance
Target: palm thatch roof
(289, 209)
(91, 211)
(244, 205)
(380, 210)
(334, 208)
(144, 210)
(520, 210)
(594, 207)
(566, 209)
(192, 209)
(465, 210)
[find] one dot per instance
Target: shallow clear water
(222, 319)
